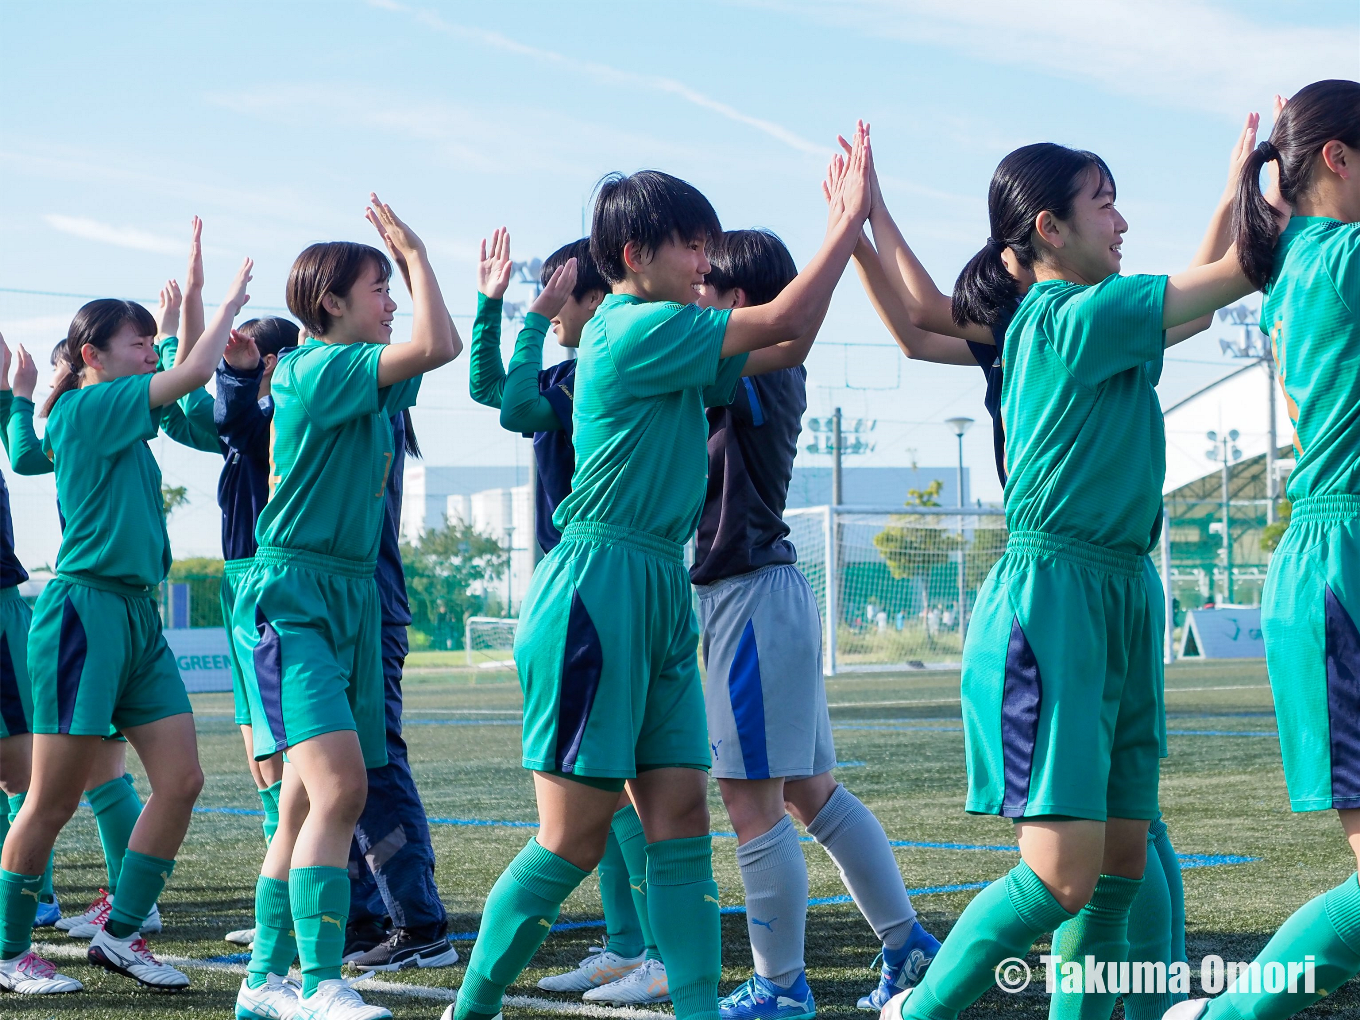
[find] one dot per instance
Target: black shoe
(407, 947)
(362, 936)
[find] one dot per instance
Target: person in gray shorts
(768, 724)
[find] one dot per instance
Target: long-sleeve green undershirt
(188, 420)
(22, 444)
(523, 408)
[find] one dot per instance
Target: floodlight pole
(837, 493)
(1272, 493)
(960, 426)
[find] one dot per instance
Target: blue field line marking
(1223, 733)
(1187, 860)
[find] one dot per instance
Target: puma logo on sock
(545, 922)
(767, 925)
(333, 920)
(710, 899)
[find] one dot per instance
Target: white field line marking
(55, 951)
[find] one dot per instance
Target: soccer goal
(490, 641)
(895, 587)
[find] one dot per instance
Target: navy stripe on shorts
(71, 652)
(1021, 699)
(582, 664)
(1343, 702)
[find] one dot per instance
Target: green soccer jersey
(645, 371)
(1085, 445)
(1311, 311)
(108, 483)
(330, 450)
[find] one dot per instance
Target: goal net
(490, 641)
(895, 587)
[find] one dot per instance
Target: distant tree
(913, 545)
(447, 572)
(172, 498)
(1272, 533)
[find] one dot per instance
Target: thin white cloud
(605, 73)
(1182, 53)
(107, 233)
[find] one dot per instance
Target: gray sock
(852, 836)
(775, 875)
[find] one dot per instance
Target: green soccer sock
(319, 898)
(627, 829)
(1327, 929)
(45, 893)
(18, 908)
(1150, 936)
(116, 810)
(620, 916)
(274, 947)
(1002, 921)
(519, 913)
(682, 899)
(269, 798)
(139, 884)
(1100, 933)
(1171, 868)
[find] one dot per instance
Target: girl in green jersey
(1059, 694)
(98, 657)
(1304, 253)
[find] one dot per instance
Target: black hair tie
(995, 245)
(1268, 151)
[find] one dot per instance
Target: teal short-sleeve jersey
(1085, 444)
(108, 483)
(330, 450)
(643, 373)
(1311, 312)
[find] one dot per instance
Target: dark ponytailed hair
(1321, 112)
(588, 276)
(272, 334)
(647, 208)
(95, 324)
(329, 267)
(754, 260)
(1035, 178)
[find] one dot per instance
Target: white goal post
(490, 641)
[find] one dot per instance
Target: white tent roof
(1237, 401)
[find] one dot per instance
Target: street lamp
(960, 426)
(1225, 450)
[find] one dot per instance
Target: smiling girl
(97, 657)
(1060, 695)
(307, 622)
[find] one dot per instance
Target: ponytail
(412, 444)
(1031, 180)
(1322, 112)
(95, 324)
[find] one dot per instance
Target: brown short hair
(329, 267)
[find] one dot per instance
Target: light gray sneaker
(643, 986)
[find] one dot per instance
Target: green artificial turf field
(899, 736)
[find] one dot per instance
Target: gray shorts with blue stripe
(764, 692)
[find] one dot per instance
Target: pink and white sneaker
(131, 958)
(30, 974)
(100, 906)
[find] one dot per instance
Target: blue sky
(273, 121)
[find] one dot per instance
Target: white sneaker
(276, 999)
(645, 984)
(30, 974)
(1190, 1009)
(336, 999)
(87, 929)
(448, 1013)
(892, 1009)
(244, 937)
(600, 967)
(99, 906)
(131, 958)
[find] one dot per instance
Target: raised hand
(25, 373)
(551, 299)
(857, 191)
(193, 276)
(398, 258)
(1283, 210)
(241, 352)
(167, 311)
(397, 234)
(236, 296)
(493, 271)
(1245, 145)
(4, 363)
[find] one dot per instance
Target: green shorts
(99, 661)
(1060, 674)
(308, 635)
(16, 696)
(1157, 610)
(1310, 617)
(232, 572)
(608, 658)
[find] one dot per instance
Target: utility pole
(837, 493)
(1256, 346)
(960, 426)
(1225, 450)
